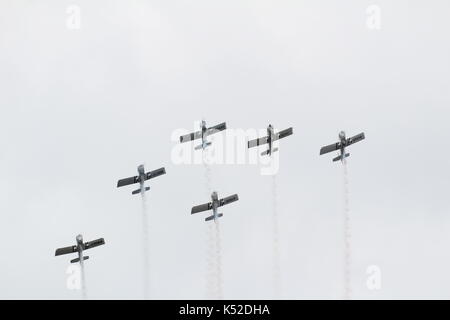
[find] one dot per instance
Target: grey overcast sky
(81, 108)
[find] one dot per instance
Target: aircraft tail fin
(139, 190)
(78, 259)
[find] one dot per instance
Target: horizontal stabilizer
(78, 259)
(212, 217)
(340, 157)
(265, 153)
(139, 190)
(274, 150)
(202, 146)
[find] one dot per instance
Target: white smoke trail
(83, 280)
(210, 237)
(210, 262)
(219, 293)
(276, 239)
(214, 250)
(145, 246)
(347, 235)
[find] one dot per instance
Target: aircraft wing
(355, 139)
(228, 200)
(155, 173)
(94, 243)
(258, 142)
(330, 148)
(220, 127)
(191, 136)
(284, 133)
(65, 250)
(201, 208)
(127, 181)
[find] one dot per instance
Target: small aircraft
(214, 205)
(271, 137)
(141, 178)
(203, 134)
(344, 142)
(80, 247)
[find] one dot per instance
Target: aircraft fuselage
(80, 247)
(141, 172)
(215, 205)
(270, 138)
(343, 144)
(203, 129)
